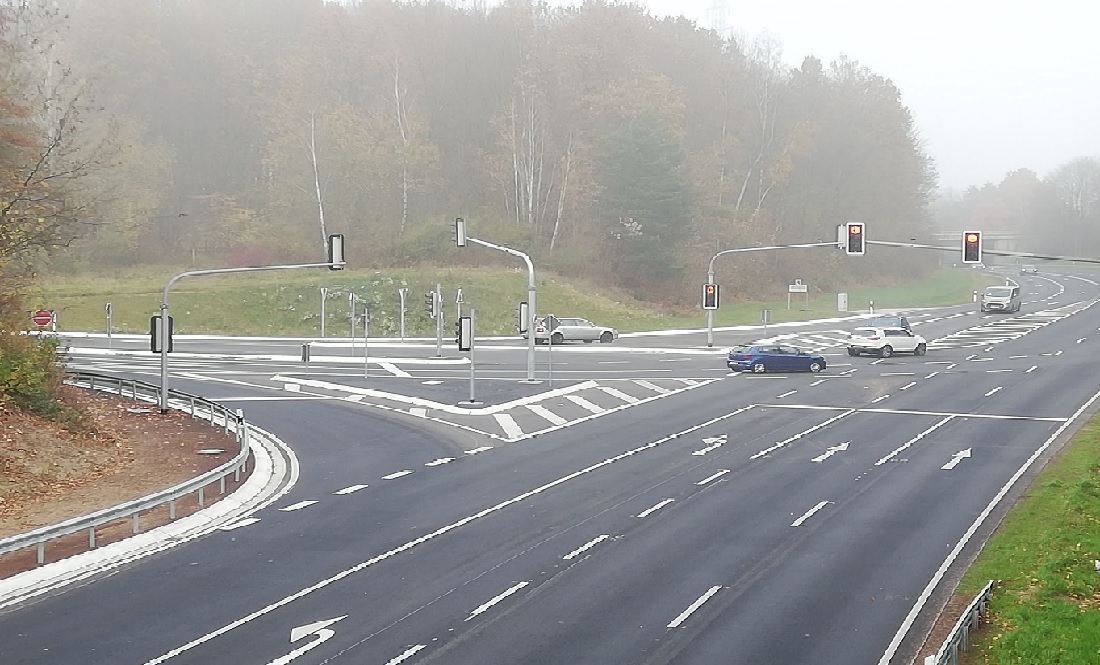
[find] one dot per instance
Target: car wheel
(815, 366)
(758, 368)
(606, 337)
(886, 351)
(853, 352)
(557, 338)
(920, 350)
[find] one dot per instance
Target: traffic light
(854, 244)
(464, 333)
(972, 247)
(155, 333)
(430, 303)
(336, 251)
(458, 234)
(523, 316)
(710, 296)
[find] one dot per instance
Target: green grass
(288, 302)
(1047, 607)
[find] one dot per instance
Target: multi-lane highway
(639, 505)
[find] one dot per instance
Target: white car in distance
(885, 342)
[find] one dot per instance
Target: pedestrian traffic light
(854, 246)
(464, 333)
(430, 303)
(972, 247)
(710, 296)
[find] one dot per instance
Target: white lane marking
(347, 572)
(441, 460)
(651, 386)
(508, 424)
(931, 375)
(395, 370)
(817, 383)
(955, 459)
(908, 385)
(418, 412)
(354, 398)
(706, 480)
(849, 371)
(431, 383)
(786, 394)
(995, 390)
(1031, 369)
(397, 474)
(898, 374)
(798, 436)
(694, 606)
(951, 366)
(350, 489)
(649, 511)
(297, 506)
(585, 404)
(587, 546)
(1058, 352)
(478, 450)
(318, 628)
(997, 371)
(547, 414)
(809, 513)
(236, 525)
(830, 451)
(1016, 357)
(1081, 340)
(715, 442)
(918, 437)
(408, 654)
(292, 387)
(630, 399)
(496, 599)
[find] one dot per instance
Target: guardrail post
(202, 497)
(172, 509)
(41, 553)
(137, 522)
(133, 390)
(91, 538)
(221, 485)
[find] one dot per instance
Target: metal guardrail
(959, 637)
(143, 392)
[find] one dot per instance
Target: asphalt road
(639, 505)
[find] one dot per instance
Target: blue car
(760, 358)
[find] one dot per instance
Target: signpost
(798, 287)
(42, 317)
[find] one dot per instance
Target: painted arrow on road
(319, 628)
(830, 451)
(958, 457)
(714, 443)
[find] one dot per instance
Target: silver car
(557, 330)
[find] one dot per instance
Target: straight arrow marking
(955, 459)
(830, 451)
(715, 444)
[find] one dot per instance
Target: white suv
(885, 342)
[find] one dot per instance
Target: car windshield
(999, 291)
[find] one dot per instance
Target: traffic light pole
(531, 307)
(710, 272)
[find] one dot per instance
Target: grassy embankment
(288, 303)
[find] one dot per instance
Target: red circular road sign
(42, 317)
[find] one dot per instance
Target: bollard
(871, 307)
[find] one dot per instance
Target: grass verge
(1047, 607)
(289, 302)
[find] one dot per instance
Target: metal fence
(959, 637)
(198, 407)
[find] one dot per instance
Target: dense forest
(610, 145)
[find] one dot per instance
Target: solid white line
(997, 371)
(496, 599)
(809, 513)
(706, 480)
(798, 436)
(918, 437)
(397, 474)
(649, 511)
(349, 490)
(297, 506)
(934, 583)
(651, 386)
(395, 370)
(587, 546)
(789, 392)
(408, 654)
(585, 404)
(995, 390)
(631, 399)
(694, 606)
(898, 374)
(354, 398)
(509, 425)
(547, 414)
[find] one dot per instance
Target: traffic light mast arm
(985, 250)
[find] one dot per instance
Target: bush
(29, 375)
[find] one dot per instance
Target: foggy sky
(993, 86)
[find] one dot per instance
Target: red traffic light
(855, 230)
